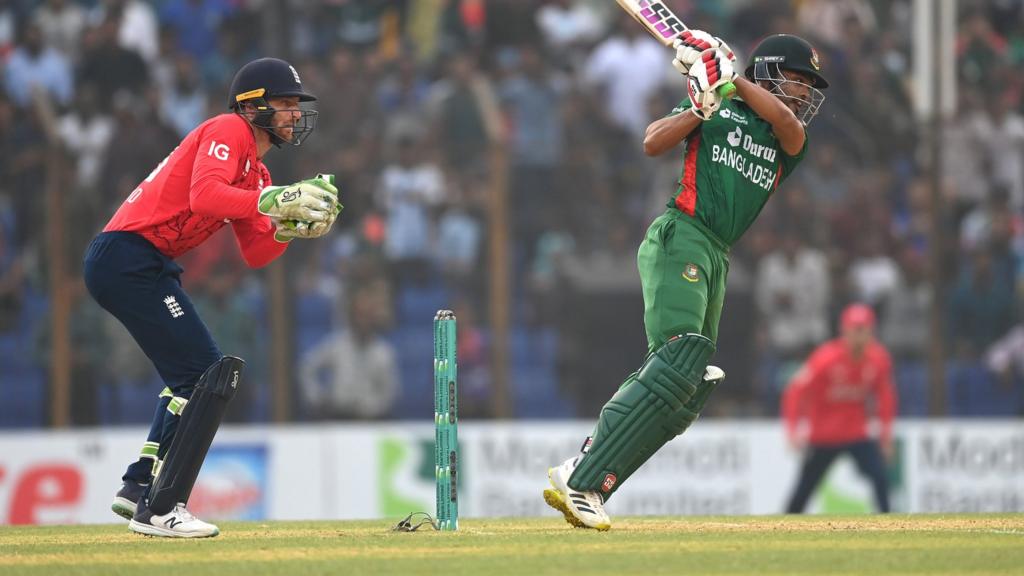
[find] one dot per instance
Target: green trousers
(683, 267)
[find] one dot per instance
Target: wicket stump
(446, 427)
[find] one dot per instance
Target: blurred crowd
(428, 108)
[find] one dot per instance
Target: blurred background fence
(489, 159)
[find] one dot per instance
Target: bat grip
(727, 90)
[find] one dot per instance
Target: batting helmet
(261, 80)
(787, 52)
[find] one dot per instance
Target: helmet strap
(262, 117)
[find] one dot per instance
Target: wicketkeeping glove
(295, 228)
(310, 200)
(714, 69)
(691, 43)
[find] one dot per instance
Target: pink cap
(856, 315)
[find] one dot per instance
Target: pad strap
(177, 403)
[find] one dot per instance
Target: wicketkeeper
(214, 177)
(736, 153)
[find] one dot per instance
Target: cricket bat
(665, 26)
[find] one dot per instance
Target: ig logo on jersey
(218, 151)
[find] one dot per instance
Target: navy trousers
(869, 460)
(141, 287)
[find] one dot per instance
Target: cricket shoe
(581, 509)
(127, 498)
(178, 523)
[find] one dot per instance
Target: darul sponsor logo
(761, 151)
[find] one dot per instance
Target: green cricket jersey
(731, 166)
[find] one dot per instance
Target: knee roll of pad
(200, 418)
(635, 419)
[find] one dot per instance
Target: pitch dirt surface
(896, 544)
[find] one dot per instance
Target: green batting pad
(637, 416)
(672, 428)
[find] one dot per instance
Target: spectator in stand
(904, 323)
(402, 99)
(830, 18)
(466, 113)
(12, 274)
(831, 393)
(873, 273)
(25, 141)
(35, 66)
(626, 69)
(85, 134)
(183, 105)
(410, 190)
(567, 27)
(1002, 130)
(827, 176)
(196, 23)
(137, 31)
(965, 161)
(459, 239)
(979, 48)
(792, 292)
(61, 23)
(532, 98)
(757, 19)
(109, 66)
(980, 306)
(85, 131)
(354, 373)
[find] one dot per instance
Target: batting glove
(689, 46)
(712, 70)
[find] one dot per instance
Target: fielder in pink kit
(832, 394)
(214, 178)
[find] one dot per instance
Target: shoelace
(594, 499)
(184, 514)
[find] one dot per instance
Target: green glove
(312, 200)
(294, 228)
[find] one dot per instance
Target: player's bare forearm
(785, 124)
(666, 133)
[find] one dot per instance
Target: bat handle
(727, 90)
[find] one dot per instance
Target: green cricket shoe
(581, 509)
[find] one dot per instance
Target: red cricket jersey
(212, 178)
(832, 391)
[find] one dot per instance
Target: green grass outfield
(897, 544)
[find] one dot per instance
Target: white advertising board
(386, 471)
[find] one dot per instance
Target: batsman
(736, 153)
(215, 177)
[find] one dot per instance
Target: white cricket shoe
(178, 523)
(581, 509)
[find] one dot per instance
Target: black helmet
(787, 52)
(790, 53)
(266, 78)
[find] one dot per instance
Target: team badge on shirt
(690, 273)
